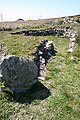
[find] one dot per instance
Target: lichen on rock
(18, 73)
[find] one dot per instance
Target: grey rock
(18, 73)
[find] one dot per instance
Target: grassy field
(55, 98)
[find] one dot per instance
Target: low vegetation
(55, 98)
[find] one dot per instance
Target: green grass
(55, 98)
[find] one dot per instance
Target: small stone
(41, 78)
(70, 50)
(72, 58)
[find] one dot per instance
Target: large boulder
(18, 73)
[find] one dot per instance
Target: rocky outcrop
(18, 73)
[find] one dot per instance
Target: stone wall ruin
(44, 32)
(43, 53)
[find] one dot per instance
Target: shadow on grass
(37, 92)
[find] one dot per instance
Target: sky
(12, 10)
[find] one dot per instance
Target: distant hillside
(41, 23)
